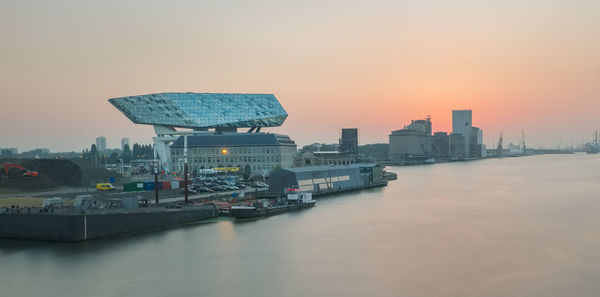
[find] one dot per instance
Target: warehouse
(327, 179)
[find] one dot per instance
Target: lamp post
(155, 165)
(185, 167)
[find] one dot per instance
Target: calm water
(510, 227)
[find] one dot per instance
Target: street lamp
(155, 165)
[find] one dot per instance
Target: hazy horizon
(376, 66)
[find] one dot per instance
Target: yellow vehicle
(104, 187)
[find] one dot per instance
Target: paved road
(165, 196)
(59, 192)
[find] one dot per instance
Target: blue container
(149, 186)
(111, 180)
(160, 185)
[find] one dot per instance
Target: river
(527, 226)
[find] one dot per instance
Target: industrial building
(320, 158)
(462, 123)
(327, 179)
(349, 141)
(413, 143)
(214, 120)
(440, 144)
(478, 149)
(457, 146)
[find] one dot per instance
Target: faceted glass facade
(203, 110)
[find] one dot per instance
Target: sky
(372, 65)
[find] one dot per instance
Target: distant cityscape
(214, 141)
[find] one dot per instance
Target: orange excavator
(14, 170)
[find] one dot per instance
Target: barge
(71, 224)
(268, 207)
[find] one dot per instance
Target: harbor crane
(499, 147)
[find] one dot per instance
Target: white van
(55, 202)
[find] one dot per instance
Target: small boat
(294, 200)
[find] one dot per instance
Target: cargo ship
(85, 223)
(294, 200)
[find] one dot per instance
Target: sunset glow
(530, 66)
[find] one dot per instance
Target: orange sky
(375, 65)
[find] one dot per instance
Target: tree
(6, 153)
(126, 155)
(114, 158)
(276, 168)
(136, 151)
(94, 153)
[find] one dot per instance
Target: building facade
(252, 153)
(101, 144)
(457, 146)
(462, 123)
(440, 143)
(413, 143)
(13, 151)
(321, 158)
(349, 141)
(324, 179)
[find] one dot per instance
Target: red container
(166, 185)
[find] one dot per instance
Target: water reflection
(511, 227)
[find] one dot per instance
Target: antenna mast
(523, 142)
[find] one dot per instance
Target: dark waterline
(525, 226)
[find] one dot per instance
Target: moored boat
(294, 200)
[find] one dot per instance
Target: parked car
(190, 191)
(259, 185)
(219, 188)
(204, 190)
(104, 187)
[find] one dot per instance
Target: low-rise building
(253, 153)
(323, 158)
(413, 143)
(326, 179)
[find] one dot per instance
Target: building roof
(234, 139)
(203, 110)
(329, 167)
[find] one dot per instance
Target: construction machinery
(16, 170)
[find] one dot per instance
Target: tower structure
(349, 141)
(462, 123)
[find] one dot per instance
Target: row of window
(259, 167)
(230, 151)
(244, 159)
(322, 183)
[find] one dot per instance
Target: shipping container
(148, 186)
(132, 187)
(166, 185)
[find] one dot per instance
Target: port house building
(253, 153)
(326, 179)
(214, 120)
